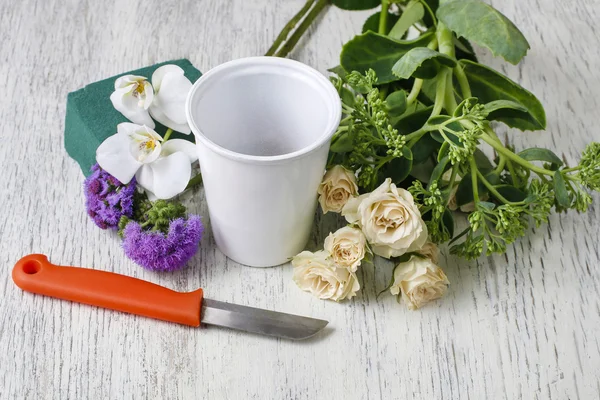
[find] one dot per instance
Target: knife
(35, 274)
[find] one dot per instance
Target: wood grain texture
(520, 326)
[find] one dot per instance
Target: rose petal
(114, 157)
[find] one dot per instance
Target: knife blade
(35, 274)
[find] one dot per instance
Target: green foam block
(91, 117)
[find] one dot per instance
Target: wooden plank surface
(524, 325)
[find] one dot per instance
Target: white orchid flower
(132, 97)
(171, 88)
(162, 168)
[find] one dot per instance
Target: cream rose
(337, 187)
(431, 251)
(419, 281)
(347, 247)
(316, 273)
(389, 218)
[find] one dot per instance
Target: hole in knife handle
(32, 267)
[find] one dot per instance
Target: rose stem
(289, 27)
(289, 45)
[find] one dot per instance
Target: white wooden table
(524, 325)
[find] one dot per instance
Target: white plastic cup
(262, 127)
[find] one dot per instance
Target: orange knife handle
(35, 274)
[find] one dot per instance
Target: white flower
(419, 281)
(389, 218)
(431, 251)
(132, 97)
(163, 169)
(316, 273)
(171, 88)
(347, 247)
(337, 187)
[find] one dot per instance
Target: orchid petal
(166, 177)
(172, 96)
(160, 73)
(124, 102)
(149, 94)
(180, 145)
(145, 177)
(126, 128)
(158, 115)
(114, 157)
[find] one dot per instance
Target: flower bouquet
(413, 146)
(138, 172)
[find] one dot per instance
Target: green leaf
(407, 153)
(482, 161)
(343, 143)
(486, 26)
(413, 121)
(492, 178)
(464, 192)
(371, 50)
(339, 71)
(560, 190)
(424, 148)
(372, 23)
(511, 193)
(396, 103)
(398, 169)
(539, 154)
(421, 62)
(347, 96)
(487, 205)
(443, 152)
(488, 85)
(439, 169)
(413, 13)
(503, 104)
(448, 221)
(463, 49)
(356, 4)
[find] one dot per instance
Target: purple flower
(158, 251)
(107, 199)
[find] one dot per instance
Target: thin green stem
(463, 82)
(440, 92)
(167, 134)
(196, 180)
(289, 27)
(416, 134)
(445, 40)
(449, 99)
(495, 192)
(474, 180)
(513, 175)
(500, 165)
(431, 13)
(295, 38)
(513, 157)
(385, 4)
(414, 92)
